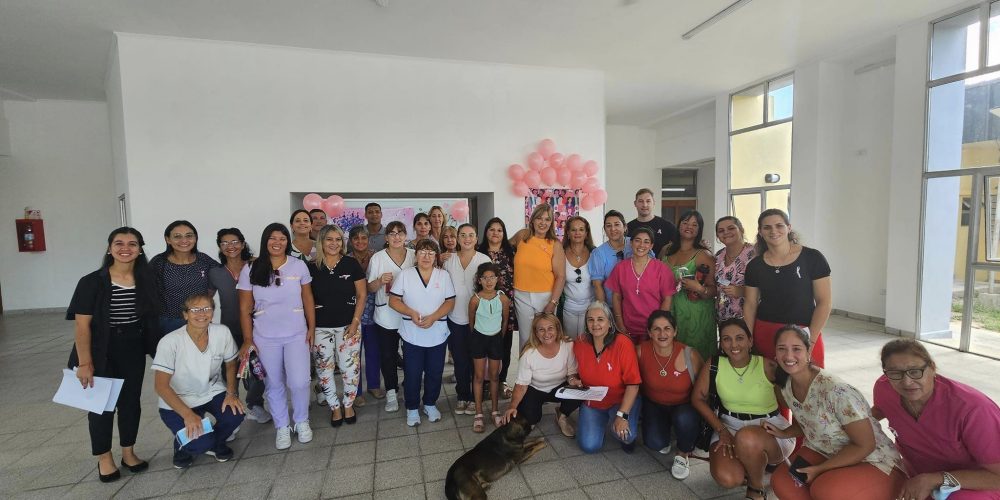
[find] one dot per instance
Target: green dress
(696, 324)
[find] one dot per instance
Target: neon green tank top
(755, 394)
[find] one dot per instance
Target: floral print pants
(332, 347)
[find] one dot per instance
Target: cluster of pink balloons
(332, 205)
(459, 210)
(546, 167)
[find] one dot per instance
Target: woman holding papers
(188, 366)
(546, 365)
(607, 359)
(116, 313)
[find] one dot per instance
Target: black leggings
(126, 360)
(388, 348)
(530, 406)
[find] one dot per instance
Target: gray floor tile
(547, 477)
(612, 489)
(404, 493)
(434, 490)
(149, 484)
(574, 494)
(361, 431)
(640, 462)
(44, 494)
(659, 485)
(346, 455)
(306, 461)
(89, 490)
(436, 466)
(349, 481)
(256, 490)
(256, 469)
(210, 474)
(397, 473)
(194, 495)
(510, 486)
(436, 442)
(395, 448)
(298, 486)
(591, 469)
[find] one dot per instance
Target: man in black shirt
(663, 229)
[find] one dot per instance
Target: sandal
(751, 489)
(477, 423)
(497, 419)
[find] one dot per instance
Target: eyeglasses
(277, 278)
(579, 275)
(913, 373)
(199, 310)
(234, 243)
(186, 236)
(620, 255)
(396, 234)
(426, 253)
(489, 278)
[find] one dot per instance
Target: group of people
(683, 340)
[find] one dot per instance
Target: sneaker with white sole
(283, 438)
(233, 435)
(412, 418)
(432, 413)
(304, 432)
(460, 407)
(681, 468)
(391, 403)
(258, 414)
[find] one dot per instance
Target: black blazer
(93, 297)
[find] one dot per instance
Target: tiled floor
(45, 452)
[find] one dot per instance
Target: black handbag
(704, 440)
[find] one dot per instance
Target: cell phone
(793, 469)
(723, 282)
(182, 437)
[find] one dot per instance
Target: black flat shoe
(353, 419)
(336, 422)
(108, 478)
(139, 467)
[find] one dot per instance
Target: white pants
(331, 347)
(527, 305)
(574, 322)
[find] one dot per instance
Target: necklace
(663, 366)
(638, 276)
(777, 268)
(578, 257)
(739, 375)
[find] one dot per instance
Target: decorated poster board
(565, 204)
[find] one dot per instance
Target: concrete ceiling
(58, 49)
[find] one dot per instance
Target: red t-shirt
(616, 368)
(672, 388)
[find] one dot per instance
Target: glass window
(963, 124)
(760, 152)
(747, 108)
(778, 198)
(993, 34)
(746, 208)
(779, 99)
(955, 45)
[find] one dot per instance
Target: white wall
(632, 166)
(60, 163)
(687, 137)
(220, 133)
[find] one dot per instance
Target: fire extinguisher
(699, 276)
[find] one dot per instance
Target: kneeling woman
(606, 358)
(668, 370)
(188, 367)
(546, 364)
(848, 454)
(423, 295)
(741, 448)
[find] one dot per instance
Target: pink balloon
(546, 148)
(577, 180)
(515, 172)
(333, 206)
(587, 203)
(600, 196)
(520, 189)
(535, 161)
(533, 179)
(549, 176)
(556, 160)
(574, 162)
(563, 175)
(591, 185)
(312, 201)
(460, 211)
(590, 168)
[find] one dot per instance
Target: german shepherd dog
(493, 457)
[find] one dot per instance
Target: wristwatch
(622, 414)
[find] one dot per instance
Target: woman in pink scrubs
(640, 285)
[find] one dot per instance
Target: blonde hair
(536, 213)
(533, 342)
(321, 236)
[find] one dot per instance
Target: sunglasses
(277, 278)
(620, 255)
(579, 275)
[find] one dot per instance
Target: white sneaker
(283, 439)
(391, 403)
(258, 414)
(432, 413)
(233, 435)
(665, 450)
(412, 418)
(681, 469)
(304, 432)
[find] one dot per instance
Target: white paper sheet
(103, 394)
(595, 393)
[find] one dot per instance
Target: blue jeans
(225, 423)
(422, 364)
(369, 344)
(657, 420)
(593, 424)
(458, 342)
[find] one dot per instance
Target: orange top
(533, 265)
(661, 382)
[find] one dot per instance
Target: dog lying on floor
(493, 457)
